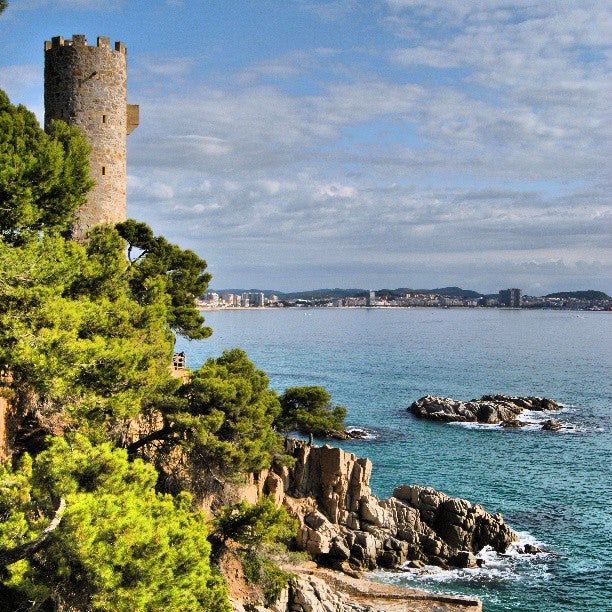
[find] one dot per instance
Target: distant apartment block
(230, 299)
(511, 298)
(257, 299)
(371, 298)
(212, 298)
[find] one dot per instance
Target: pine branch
(28, 549)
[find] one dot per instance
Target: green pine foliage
(44, 177)
(268, 575)
(182, 272)
(309, 410)
(223, 417)
(79, 347)
(260, 529)
(232, 395)
(87, 336)
(255, 524)
(120, 546)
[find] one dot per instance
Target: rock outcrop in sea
(490, 409)
(344, 526)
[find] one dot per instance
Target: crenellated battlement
(79, 40)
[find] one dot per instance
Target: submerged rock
(530, 549)
(513, 424)
(552, 425)
(353, 433)
(490, 409)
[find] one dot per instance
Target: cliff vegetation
(100, 507)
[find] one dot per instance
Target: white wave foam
(475, 425)
(533, 419)
(512, 565)
(367, 434)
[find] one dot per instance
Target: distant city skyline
(449, 291)
(446, 297)
(354, 143)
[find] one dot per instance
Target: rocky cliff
(344, 526)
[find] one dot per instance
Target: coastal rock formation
(488, 409)
(344, 526)
(320, 590)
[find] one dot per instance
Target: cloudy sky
(298, 144)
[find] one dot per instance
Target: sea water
(553, 488)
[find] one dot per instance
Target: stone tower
(86, 87)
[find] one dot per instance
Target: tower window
(103, 170)
(103, 118)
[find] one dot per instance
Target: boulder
(513, 424)
(339, 549)
(530, 549)
(371, 511)
(308, 593)
(464, 558)
(274, 487)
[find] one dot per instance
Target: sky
(300, 144)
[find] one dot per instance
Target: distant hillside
(321, 294)
(580, 295)
(450, 291)
(266, 292)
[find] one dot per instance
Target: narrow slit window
(103, 170)
(103, 118)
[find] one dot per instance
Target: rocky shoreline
(501, 410)
(346, 531)
(316, 589)
(345, 527)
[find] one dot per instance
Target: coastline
(390, 307)
(381, 597)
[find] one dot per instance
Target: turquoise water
(552, 487)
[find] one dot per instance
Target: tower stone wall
(86, 86)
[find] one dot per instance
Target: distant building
(229, 299)
(256, 299)
(512, 298)
(211, 298)
(371, 298)
(245, 300)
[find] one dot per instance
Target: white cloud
(163, 66)
(20, 76)
(496, 172)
